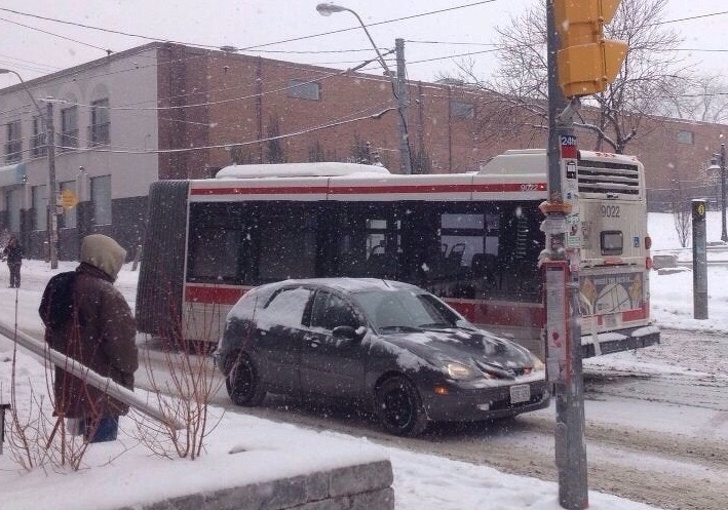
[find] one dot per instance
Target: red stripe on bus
(213, 294)
(366, 190)
(505, 314)
(628, 315)
(634, 315)
(300, 190)
(412, 188)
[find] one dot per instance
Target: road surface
(656, 434)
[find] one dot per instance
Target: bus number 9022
(610, 211)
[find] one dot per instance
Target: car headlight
(460, 372)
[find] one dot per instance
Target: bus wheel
(399, 407)
(243, 383)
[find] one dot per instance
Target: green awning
(12, 175)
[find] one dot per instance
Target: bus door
(216, 261)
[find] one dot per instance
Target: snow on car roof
(353, 284)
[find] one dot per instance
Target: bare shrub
(181, 367)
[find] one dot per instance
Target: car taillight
(648, 242)
(648, 262)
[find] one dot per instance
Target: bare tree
(273, 148)
(516, 96)
(700, 98)
(681, 212)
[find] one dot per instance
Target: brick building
(167, 111)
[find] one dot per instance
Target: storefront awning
(12, 175)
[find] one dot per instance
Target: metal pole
(52, 188)
(700, 261)
(570, 450)
(723, 232)
(105, 384)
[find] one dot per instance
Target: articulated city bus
(473, 239)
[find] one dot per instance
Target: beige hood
(103, 252)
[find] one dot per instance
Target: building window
(38, 140)
(68, 219)
(304, 89)
(40, 208)
(69, 128)
(685, 137)
(14, 142)
(99, 128)
(101, 198)
(462, 110)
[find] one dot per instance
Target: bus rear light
(648, 242)
(648, 263)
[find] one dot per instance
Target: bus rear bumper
(620, 340)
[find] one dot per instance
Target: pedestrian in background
(13, 253)
(88, 319)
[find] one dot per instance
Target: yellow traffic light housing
(586, 62)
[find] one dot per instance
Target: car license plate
(520, 393)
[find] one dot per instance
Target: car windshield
(404, 310)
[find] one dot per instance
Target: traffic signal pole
(581, 62)
(562, 333)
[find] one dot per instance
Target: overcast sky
(33, 46)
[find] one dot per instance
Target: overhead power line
(54, 35)
(311, 36)
(689, 18)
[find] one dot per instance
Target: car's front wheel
(399, 406)
(243, 383)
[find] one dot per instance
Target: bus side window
(213, 246)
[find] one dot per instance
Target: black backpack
(56, 305)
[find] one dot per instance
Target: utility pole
(401, 94)
(52, 188)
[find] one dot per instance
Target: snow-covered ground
(124, 473)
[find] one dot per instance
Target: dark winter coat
(88, 319)
(13, 253)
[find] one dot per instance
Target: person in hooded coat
(13, 252)
(89, 320)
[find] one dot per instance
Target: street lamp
(47, 121)
(397, 86)
(718, 163)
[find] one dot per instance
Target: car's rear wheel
(399, 406)
(243, 383)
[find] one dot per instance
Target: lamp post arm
(25, 86)
(371, 40)
(398, 90)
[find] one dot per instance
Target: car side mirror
(348, 332)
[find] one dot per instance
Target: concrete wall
(357, 487)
